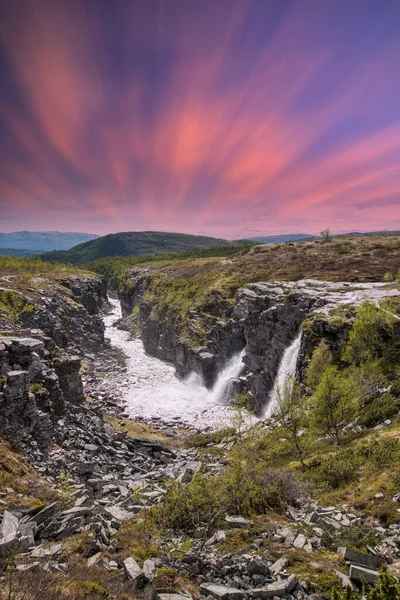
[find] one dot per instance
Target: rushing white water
(151, 389)
(287, 370)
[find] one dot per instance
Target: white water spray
(221, 392)
(151, 389)
(287, 370)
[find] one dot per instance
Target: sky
(229, 118)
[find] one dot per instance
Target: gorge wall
(264, 318)
(40, 365)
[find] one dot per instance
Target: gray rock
(279, 566)
(237, 522)
(358, 573)
(134, 573)
(118, 514)
(257, 566)
(9, 525)
(221, 592)
(360, 558)
(278, 588)
(149, 569)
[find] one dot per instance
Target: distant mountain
(136, 242)
(368, 233)
(43, 241)
(18, 253)
(286, 237)
(298, 237)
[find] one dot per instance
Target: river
(150, 388)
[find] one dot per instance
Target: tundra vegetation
(324, 444)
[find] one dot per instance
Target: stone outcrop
(70, 313)
(264, 319)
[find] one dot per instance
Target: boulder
(359, 574)
(9, 525)
(237, 522)
(134, 573)
(221, 592)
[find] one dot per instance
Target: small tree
(290, 409)
(335, 403)
(372, 335)
(320, 361)
(13, 305)
(326, 235)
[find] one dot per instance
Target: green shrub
(380, 451)
(13, 306)
(373, 337)
(337, 470)
(188, 506)
(379, 409)
(320, 361)
(395, 388)
(387, 588)
(388, 276)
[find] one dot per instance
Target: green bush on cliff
(379, 409)
(320, 361)
(372, 337)
(13, 306)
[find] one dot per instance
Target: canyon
(77, 374)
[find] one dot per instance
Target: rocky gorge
(63, 405)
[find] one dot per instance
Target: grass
(135, 428)
(175, 288)
(25, 267)
(29, 490)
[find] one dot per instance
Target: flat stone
(135, 573)
(237, 522)
(171, 597)
(279, 565)
(45, 513)
(278, 588)
(300, 541)
(360, 558)
(93, 560)
(9, 525)
(221, 592)
(358, 573)
(119, 514)
(149, 569)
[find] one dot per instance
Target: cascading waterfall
(233, 368)
(151, 389)
(287, 370)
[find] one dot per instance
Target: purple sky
(220, 117)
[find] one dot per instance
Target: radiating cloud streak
(232, 117)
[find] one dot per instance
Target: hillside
(43, 241)
(134, 243)
(285, 237)
(18, 252)
(298, 237)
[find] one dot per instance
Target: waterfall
(287, 370)
(220, 392)
(150, 388)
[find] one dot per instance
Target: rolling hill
(43, 241)
(136, 242)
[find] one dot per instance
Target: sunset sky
(217, 117)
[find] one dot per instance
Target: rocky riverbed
(150, 389)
